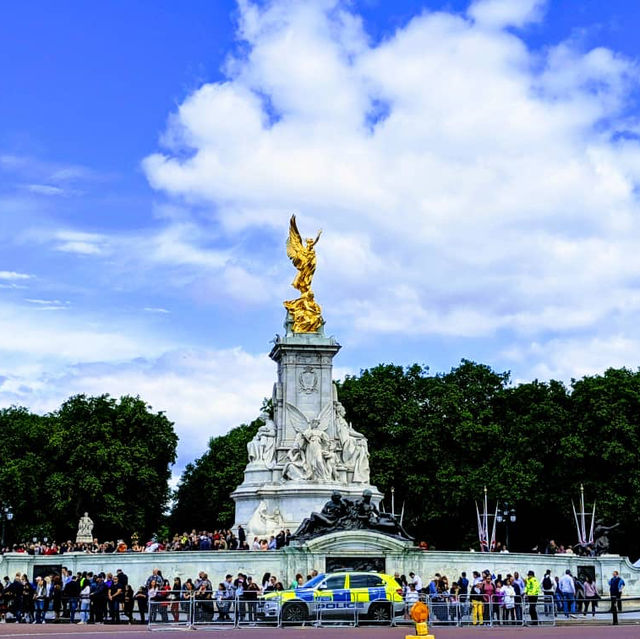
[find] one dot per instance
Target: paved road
(134, 632)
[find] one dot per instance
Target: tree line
(439, 439)
(436, 439)
(109, 457)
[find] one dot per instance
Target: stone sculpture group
(314, 456)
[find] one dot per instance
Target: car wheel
(294, 613)
(380, 612)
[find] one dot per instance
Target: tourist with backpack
(548, 590)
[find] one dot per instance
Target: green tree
(106, 456)
(202, 499)
(603, 450)
(23, 468)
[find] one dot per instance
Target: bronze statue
(305, 312)
(326, 519)
(600, 537)
(342, 514)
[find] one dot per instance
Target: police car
(339, 595)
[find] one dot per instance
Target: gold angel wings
(305, 313)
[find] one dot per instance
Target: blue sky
(474, 166)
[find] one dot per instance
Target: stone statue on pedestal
(355, 452)
(262, 448)
(85, 530)
(307, 449)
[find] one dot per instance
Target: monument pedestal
(308, 451)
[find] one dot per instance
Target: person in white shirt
(410, 598)
(415, 580)
(509, 601)
(567, 587)
(85, 601)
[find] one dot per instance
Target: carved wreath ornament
(308, 380)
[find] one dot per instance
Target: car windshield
(313, 582)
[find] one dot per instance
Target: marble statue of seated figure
(327, 518)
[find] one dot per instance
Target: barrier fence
(211, 610)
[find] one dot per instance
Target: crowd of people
(222, 539)
(98, 598)
(497, 599)
(87, 597)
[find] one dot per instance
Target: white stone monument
(85, 530)
(308, 450)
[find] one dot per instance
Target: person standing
(174, 597)
(143, 602)
(85, 601)
(509, 612)
(591, 596)
(616, 584)
(463, 594)
(488, 591)
(99, 598)
(127, 606)
(15, 591)
(72, 595)
(115, 596)
(417, 582)
(532, 591)
(548, 588)
(477, 605)
(251, 593)
(40, 595)
(568, 589)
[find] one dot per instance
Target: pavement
(310, 632)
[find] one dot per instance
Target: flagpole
(575, 516)
(486, 518)
(582, 514)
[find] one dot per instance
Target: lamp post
(506, 515)
(7, 515)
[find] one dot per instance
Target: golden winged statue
(305, 311)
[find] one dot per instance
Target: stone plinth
(307, 450)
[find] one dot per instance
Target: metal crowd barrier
(477, 610)
(209, 611)
(623, 608)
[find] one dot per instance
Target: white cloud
(468, 186)
(153, 309)
(204, 392)
(48, 189)
(13, 275)
(577, 356)
(70, 241)
(27, 336)
(504, 13)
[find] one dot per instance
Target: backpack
(547, 584)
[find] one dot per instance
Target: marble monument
(307, 449)
(85, 530)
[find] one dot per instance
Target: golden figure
(305, 311)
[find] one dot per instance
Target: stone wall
(343, 547)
